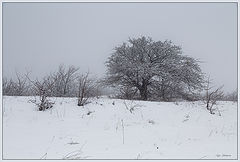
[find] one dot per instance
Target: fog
(40, 36)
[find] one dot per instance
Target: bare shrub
(86, 89)
(212, 96)
(43, 89)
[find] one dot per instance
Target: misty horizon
(41, 36)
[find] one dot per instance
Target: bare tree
(212, 96)
(64, 80)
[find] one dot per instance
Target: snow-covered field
(106, 129)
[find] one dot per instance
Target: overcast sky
(40, 36)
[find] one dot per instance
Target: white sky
(40, 36)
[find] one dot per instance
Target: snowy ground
(154, 130)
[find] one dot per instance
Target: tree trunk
(163, 91)
(143, 91)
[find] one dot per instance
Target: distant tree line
(65, 82)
